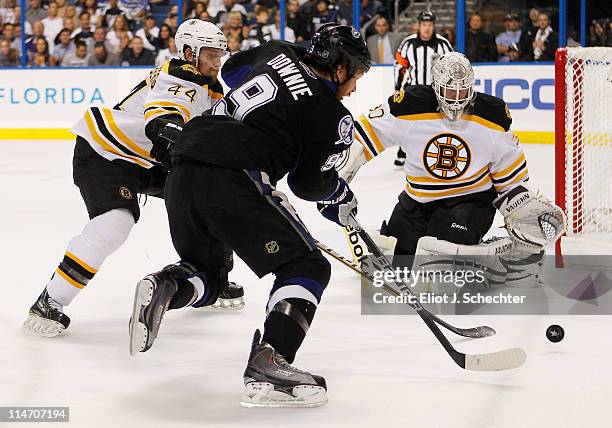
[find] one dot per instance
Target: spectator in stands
(85, 30)
(41, 57)
(64, 46)
(272, 32)
(79, 57)
(222, 15)
(545, 43)
(69, 25)
(148, 33)
(234, 45)
(71, 14)
(35, 12)
(62, 5)
(53, 24)
(252, 35)
(9, 57)
(167, 54)
(8, 34)
(95, 13)
(233, 27)
(383, 44)
(322, 15)
(296, 21)
(369, 9)
(38, 30)
(508, 41)
(120, 28)
(124, 43)
(136, 54)
(609, 34)
(101, 57)
(136, 10)
(479, 46)
(99, 36)
(172, 21)
(597, 33)
(448, 34)
(7, 12)
(529, 31)
(111, 12)
(198, 8)
(165, 33)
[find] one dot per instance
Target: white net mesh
(588, 142)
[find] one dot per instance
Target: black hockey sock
(286, 325)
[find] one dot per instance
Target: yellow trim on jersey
(366, 152)
(187, 114)
(81, 263)
(151, 114)
(68, 279)
(439, 116)
(166, 67)
(362, 119)
(432, 194)
(214, 95)
(100, 140)
(442, 181)
(122, 137)
(516, 179)
(509, 169)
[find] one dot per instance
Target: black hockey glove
(339, 205)
(167, 134)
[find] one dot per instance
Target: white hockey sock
(86, 252)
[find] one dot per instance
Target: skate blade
(229, 305)
(42, 326)
(138, 331)
(262, 394)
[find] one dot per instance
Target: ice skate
(231, 298)
(153, 296)
(272, 382)
(46, 317)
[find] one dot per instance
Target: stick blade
(496, 361)
(476, 332)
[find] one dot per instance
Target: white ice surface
(384, 371)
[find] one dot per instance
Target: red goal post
(583, 149)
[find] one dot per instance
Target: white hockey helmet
(197, 34)
(453, 83)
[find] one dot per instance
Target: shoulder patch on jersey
(415, 99)
(185, 71)
(345, 130)
(493, 109)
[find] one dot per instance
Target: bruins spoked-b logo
(446, 156)
(125, 193)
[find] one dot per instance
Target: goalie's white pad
(531, 219)
(443, 267)
(352, 159)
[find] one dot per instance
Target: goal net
(583, 149)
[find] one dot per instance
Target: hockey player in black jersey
(283, 116)
(119, 154)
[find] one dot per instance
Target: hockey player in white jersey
(120, 153)
(462, 162)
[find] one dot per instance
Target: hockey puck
(555, 333)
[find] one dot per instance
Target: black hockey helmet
(426, 15)
(335, 44)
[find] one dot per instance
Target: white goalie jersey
(445, 159)
(175, 88)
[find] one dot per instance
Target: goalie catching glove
(338, 206)
(531, 219)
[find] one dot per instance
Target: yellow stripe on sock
(69, 280)
(81, 263)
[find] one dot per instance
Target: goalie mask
(453, 83)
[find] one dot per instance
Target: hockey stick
(500, 360)
(475, 332)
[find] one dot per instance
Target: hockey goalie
(462, 163)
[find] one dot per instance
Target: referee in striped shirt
(414, 57)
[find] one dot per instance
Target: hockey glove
(339, 205)
(167, 135)
(531, 219)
